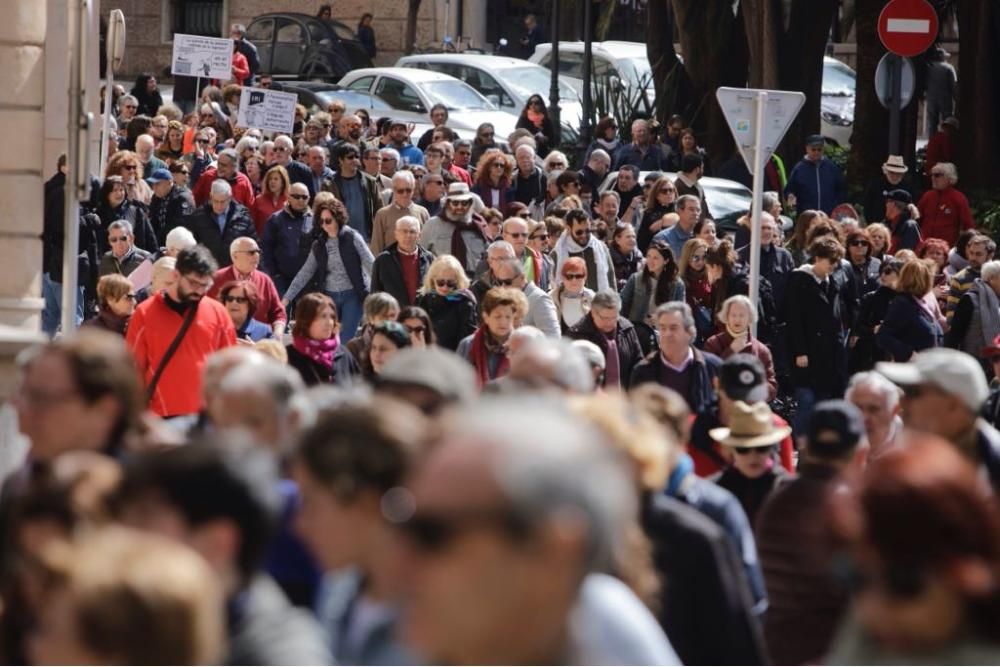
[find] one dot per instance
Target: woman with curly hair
(494, 180)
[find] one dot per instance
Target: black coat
(908, 327)
(644, 235)
(866, 276)
(169, 212)
(387, 273)
(867, 351)
(206, 230)
(815, 329)
(343, 369)
(626, 338)
(453, 320)
(137, 215)
(703, 398)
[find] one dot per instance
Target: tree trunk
(868, 142)
(411, 25)
(978, 93)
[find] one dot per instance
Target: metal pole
(109, 83)
(588, 58)
(895, 94)
(554, 88)
(755, 204)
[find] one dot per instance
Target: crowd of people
(355, 396)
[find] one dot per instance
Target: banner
(206, 57)
(267, 109)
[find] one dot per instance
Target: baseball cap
(815, 140)
(834, 428)
(441, 371)
(951, 371)
(742, 377)
(159, 175)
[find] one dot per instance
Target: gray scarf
(989, 311)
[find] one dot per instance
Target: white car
(625, 62)
(504, 81)
(412, 92)
(836, 107)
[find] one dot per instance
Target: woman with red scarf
(493, 180)
(486, 349)
(316, 352)
(535, 119)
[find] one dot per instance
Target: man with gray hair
(541, 310)
(496, 253)
(237, 32)
(297, 171)
(124, 257)
(260, 399)
(517, 508)
(878, 401)
(401, 267)
(529, 182)
(226, 169)
(605, 327)
(402, 204)
(286, 238)
(220, 221)
(642, 153)
(597, 167)
(245, 253)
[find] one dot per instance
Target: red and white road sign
(907, 27)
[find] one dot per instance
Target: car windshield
(727, 200)
(838, 80)
(353, 100)
(636, 70)
(456, 95)
(526, 81)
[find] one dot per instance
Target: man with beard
(173, 333)
(360, 192)
(399, 136)
(348, 132)
(581, 243)
(457, 230)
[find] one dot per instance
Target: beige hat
(458, 191)
(750, 426)
(895, 165)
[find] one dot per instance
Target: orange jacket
(151, 330)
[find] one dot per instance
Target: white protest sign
(206, 57)
(267, 109)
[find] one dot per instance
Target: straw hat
(895, 165)
(750, 426)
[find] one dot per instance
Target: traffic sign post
(758, 120)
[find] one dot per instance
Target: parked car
(412, 92)
(620, 63)
(504, 81)
(299, 46)
(837, 102)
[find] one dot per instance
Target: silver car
(412, 92)
(623, 62)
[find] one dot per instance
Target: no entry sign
(907, 27)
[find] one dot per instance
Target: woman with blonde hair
(449, 303)
(910, 325)
(881, 238)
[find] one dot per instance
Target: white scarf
(602, 257)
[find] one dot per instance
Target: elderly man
(816, 182)
(580, 242)
(597, 167)
(287, 237)
(371, 164)
(433, 190)
(124, 257)
(629, 191)
(227, 169)
(359, 191)
(519, 556)
(169, 206)
(605, 327)
(245, 254)
(486, 279)
(317, 158)
(688, 210)
(944, 211)
(297, 172)
(607, 209)
(642, 153)
(384, 223)
(878, 401)
(541, 311)
(390, 161)
(457, 230)
(893, 176)
(399, 136)
(943, 393)
(144, 146)
(460, 173)
(400, 268)
(692, 169)
(515, 232)
(529, 184)
(221, 221)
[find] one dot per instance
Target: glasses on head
(234, 299)
(450, 284)
(118, 239)
(575, 276)
(299, 197)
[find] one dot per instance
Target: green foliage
(621, 101)
(985, 206)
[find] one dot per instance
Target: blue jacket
(254, 330)
(655, 159)
(908, 327)
(817, 185)
(285, 246)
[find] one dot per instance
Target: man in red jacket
(944, 211)
(226, 168)
(246, 257)
(158, 320)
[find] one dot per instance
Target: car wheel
(317, 70)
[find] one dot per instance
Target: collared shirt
(683, 366)
(220, 220)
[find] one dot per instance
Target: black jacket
(908, 327)
(452, 319)
(644, 235)
(706, 367)
(866, 276)
(627, 340)
(169, 212)
(530, 188)
(752, 493)
(206, 230)
(815, 329)
(343, 369)
(705, 601)
(867, 351)
(137, 215)
(387, 273)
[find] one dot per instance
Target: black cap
(900, 195)
(815, 140)
(742, 377)
(835, 428)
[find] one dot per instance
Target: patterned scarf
(320, 351)
(483, 345)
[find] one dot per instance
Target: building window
(193, 17)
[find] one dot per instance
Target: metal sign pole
(756, 201)
(895, 95)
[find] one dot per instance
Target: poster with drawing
(207, 57)
(267, 110)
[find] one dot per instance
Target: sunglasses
(501, 165)
(201, 141)
(460, 202)
(130, 167)
(450, 284)
(326, 221)
(403, 191)
(435, 533)
(131, 296)
(299, 197)
(743, 451)
(540, 237)
(235, 299)
(859, 243)
(517, 235)
(503, 282)
(668, 191)
(575, 276)
(417, 330)
(255, 251)
(117, 239)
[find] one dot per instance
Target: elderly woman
(339, 263)
(449, 303)
(240, 299)
(316, 352)
(944, 211)
(911, 325)
(572, 297)
(113, 204)
(178, 238)
(864, 267)
(418, 323)
(977, 317)
(486, 349)
(116, 302)
(494, 180)
(273, 195)
(737, 317)
(379, 307)
(657, 283)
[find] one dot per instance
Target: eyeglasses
(235, 299)
(118, 239)
(299, 197)
(403, 191)
(558, 165)
(517, 235)
(450, 284)
(666, 191)
(503, 282)
(500, 165)
(254, 251)
(859, 243)
(281, 149)
(743, 451)
(540, 237)
(575, 276)
(201, 284)
(326, 221)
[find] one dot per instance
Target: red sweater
(263, 208)
(944, 214)
(410, 265)
(242, 188)
(269, 308)
(151, 330)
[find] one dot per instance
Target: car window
(342, 31)
(289, 32)
(636, 71)
(399, 95)
(838, 79)
(363, 84)
(726, 200)
(487, 85)
(602, 68)
(530, 79)
(261, 32)
(456, 95)
(571, 64)
(319, 32)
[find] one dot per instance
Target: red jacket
(263, 208)
(241, 68)
(150, 332)
(242, 188)
(460, 174)
(944, 214)
(269, 308)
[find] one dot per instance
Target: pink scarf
(320, 351)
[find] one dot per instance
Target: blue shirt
(354, 200)
(410, 154)
(675, 237)
(220, 220)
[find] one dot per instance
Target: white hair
(408, 220)
(284, 141)
(127, 227)
(990, 270)
(591, 353)
(600, 154)
(245, 143)
(235, 245)
(146, 140)
(404, 178)
(878, 383)
(180, 238)
(501, 245)
(743, 301)
(525, 333)
(124, 99)
(390, 153)
(525, 148)
(950, 171)
(221, 188)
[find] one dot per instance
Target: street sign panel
(907, 27)
(883, 81)
(208, 57)
(739, 106)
